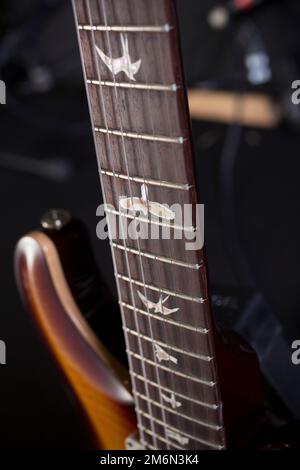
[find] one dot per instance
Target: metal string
(102, 102)
(156, 146)
(191, 405)
(131, 195)
(117, 102)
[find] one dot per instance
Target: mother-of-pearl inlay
(171, 400)
(177, 437)
(142, 204)
(158, 307)
(162, 355)
(123, 63)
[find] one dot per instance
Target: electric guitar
(189, 385)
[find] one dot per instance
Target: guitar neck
(133, 73)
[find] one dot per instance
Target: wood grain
(93, 375)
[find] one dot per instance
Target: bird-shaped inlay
(144, 205)
(123, 63)
(158, 307)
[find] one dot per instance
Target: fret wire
(137, 135)
(179, 395)
(182, 415)
(163, 259)
(149, 221)
(183, 433)
(166, 28)
(165, 345)
(147, 181)
(135, 86)
(158, 436)
(210, 383)
(203, 331)
(199, 300)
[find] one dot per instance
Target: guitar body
(94, 377)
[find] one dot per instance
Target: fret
(173, 336)
(169, 378)
(150, 221)
(142, 159)
(157, 436)
(163, 259)
(187, 421)
(169, 280)
(203, 331)
(172, 348)
(159, 353)
(210, 383)
(173, 401)
(177, 413)
(199, 300)
(166, 28)
(135, 86)
(147, 181)
(137, 135)
(183, 433)
(211, 406)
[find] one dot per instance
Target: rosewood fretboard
(142, 136)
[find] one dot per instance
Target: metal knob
(55, 219)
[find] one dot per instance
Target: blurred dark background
(248, 180)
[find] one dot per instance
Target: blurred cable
(53, 168)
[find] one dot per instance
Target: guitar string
(117, 102)
(138, 242)
(156, 147)
(109, 146)
(165, 99)
(151, 334)
(182, 335)
(155, 144)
